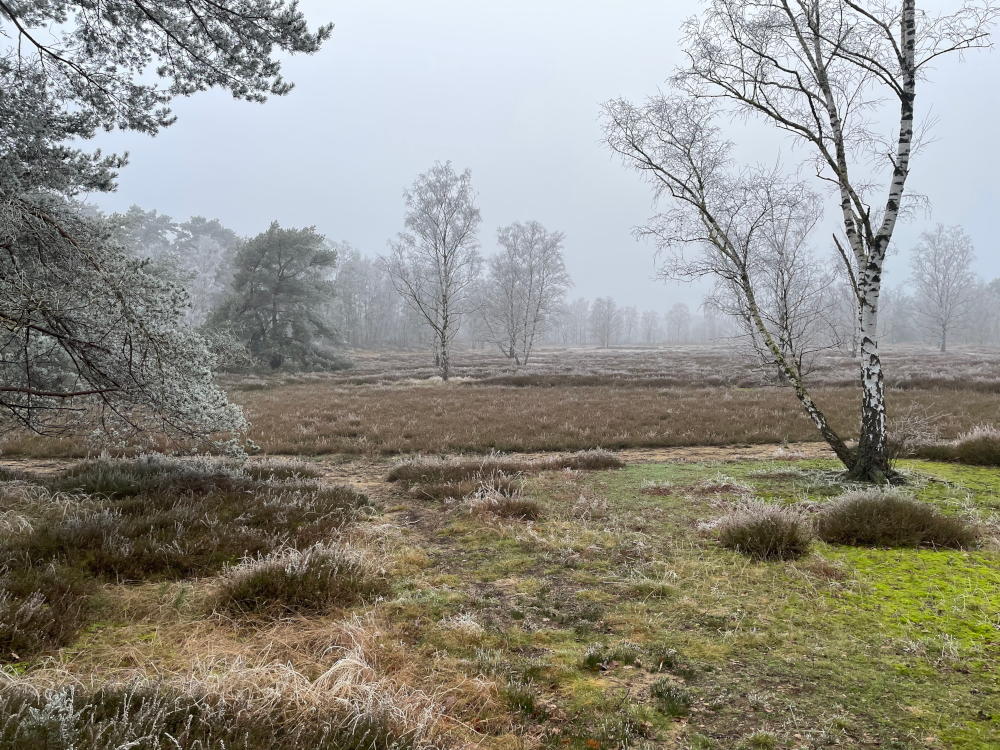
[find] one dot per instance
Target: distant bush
(978, 447)
(888, 518)
(313, 580)
(765, 532)
(430, 471)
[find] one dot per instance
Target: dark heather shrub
(888, 518)
(766, 532)
(321, 577)
(670, 698)
(436, 471)
(979, 447)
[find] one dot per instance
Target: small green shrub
(766, 532)
(671, 699)
(315, 580)
(662, 657)
(758, 741)
(888, 518)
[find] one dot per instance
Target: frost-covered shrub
(314, 580)
(765, 532)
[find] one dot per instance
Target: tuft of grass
(766, 532)
(888, 518)
(430, 471)
(671, 699)
(624, 652)
(521, 697)
(315, 580)
(502, 501)
(594, 657)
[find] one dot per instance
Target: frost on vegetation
(764, 531)
(314, 579)
(463, 623)
(590, 507)
(223, 705)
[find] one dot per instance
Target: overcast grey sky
(511, 90)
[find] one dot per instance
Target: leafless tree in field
(525, 288)
(678, 319)
(722, 223)
(825, 72)
(630, 323)
(605, 322)
(941, 274)
(435, 265)
(650, 326)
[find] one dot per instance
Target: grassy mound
(315, 580)
(766, 532)
(889, 518)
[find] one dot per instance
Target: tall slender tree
(436, 264)
(818, 70)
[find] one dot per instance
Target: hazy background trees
(525, 289)
(942, 279)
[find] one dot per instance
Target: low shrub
(594, 657)
(978, 447)
(765, 532)
(314, 580)
(41, 608)
(624, 652)
(671, 699)
(501, 501)
(662, 657)
(134, 523)
(431, 471)
(888, 518)
(148, 715)
(441, 491)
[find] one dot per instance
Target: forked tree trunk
(871, 462)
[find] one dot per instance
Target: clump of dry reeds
(503, 502)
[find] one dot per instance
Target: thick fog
(511, 91)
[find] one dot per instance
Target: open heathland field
(574, 399)
(562, 601)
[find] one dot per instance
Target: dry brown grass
(323, 418)
(574, 399)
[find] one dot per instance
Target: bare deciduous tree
(650, 326)
(730, 218)
(677, 320)
(630, 323)
(525, 288)
(823, 71)
(941, 274)
(435, 265)
(604, 321)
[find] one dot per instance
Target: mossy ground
(862, 647)
(566, 623)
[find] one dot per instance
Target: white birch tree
(941, 274)
(525, 288)
(825, 72)
(435, 265)
(605, 321)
